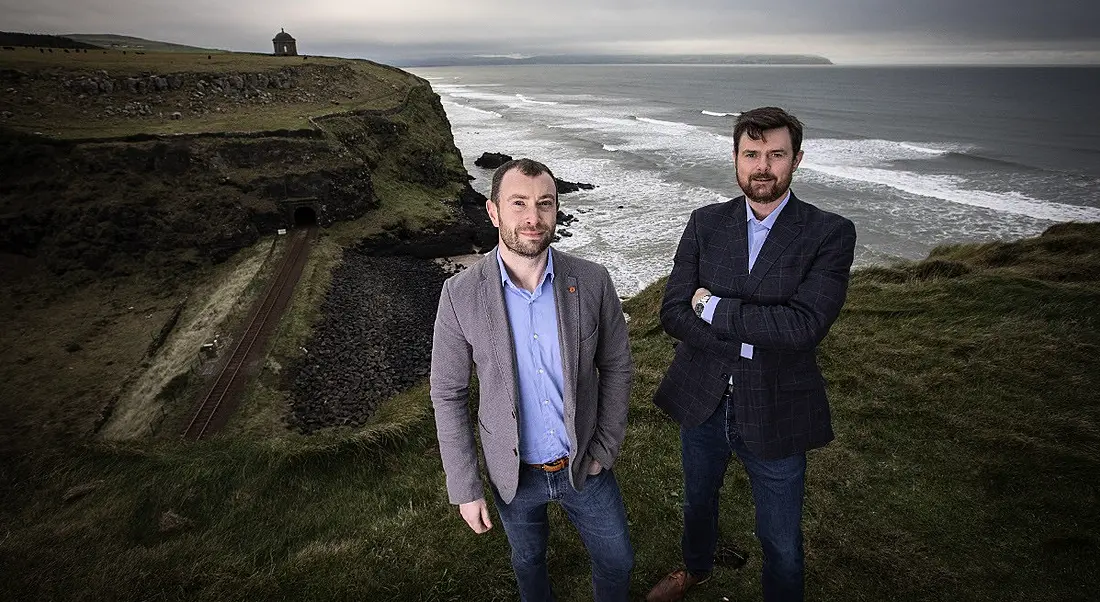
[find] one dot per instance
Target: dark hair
(757, 121)
(527, 167)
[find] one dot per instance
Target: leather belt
(552, 466)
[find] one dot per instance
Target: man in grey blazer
(545, 332)
(756, 283)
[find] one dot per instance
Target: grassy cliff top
(966, 401)
(111, 40)
(64, 95)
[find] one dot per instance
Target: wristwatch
(701, 304)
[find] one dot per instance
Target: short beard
(527, 248)
(779, 187)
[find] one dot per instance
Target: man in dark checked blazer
(756, 283)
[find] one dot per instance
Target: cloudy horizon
(844, 31)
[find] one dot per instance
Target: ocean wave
(471, 95)
(982, 159)
(924, 149)
(873, 151)
(663, 123)
(953, 189)
(466, 107)
(535, 102)
(714, 114)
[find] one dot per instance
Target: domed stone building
(285, 44)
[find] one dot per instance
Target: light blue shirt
(534, 321)
(758, 233)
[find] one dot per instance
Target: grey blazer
(471, 328)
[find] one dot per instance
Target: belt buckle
(556, 465)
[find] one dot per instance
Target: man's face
(526, 212)
(765, 167)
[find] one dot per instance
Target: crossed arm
(798, 324)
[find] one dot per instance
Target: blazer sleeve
(677, 316)
(450, 384)
(804, 320)
(616, 371)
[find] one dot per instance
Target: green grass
(968, 430)
(104, 40)
(336, 84)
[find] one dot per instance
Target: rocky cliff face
(123, 206)
(160, 203)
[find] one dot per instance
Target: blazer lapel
(496, 321)
(567, 300)
(740, 239)
(785, 230)
(733, 269)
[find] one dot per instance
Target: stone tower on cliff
(285, 44)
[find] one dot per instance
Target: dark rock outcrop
(119, 208)
(495, 160)
(492, 160)
(567, 187)
(373, 341)
(472, 203)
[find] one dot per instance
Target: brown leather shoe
(674, 586)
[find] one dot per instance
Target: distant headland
(621, 59)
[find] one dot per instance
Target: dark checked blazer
(783, 308)
(471, 328)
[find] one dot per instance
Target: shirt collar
(769, 221)
(548, 274)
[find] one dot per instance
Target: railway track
(222, 395)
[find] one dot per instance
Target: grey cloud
(420, 27)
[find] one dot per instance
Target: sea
(915, 156)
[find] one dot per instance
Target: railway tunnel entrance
(301, 212)
(305, 216)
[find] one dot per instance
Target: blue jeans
(598, 514)
(777, 492)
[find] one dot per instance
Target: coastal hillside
(120, 158)
(964, 394)
(141, 201)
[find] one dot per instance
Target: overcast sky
(845, 31)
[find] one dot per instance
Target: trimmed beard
(780, 184)
(524, 247)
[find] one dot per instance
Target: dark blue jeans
(599, 516)
(777, 492)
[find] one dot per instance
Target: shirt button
(536, 336)
(545, 401)
(540, 370)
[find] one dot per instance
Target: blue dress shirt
(758, 233)
(534, 322)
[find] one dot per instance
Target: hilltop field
(63, 93)
(964, 387)
(964, 390)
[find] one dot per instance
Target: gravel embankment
(374, 340)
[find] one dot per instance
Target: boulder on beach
(492, 160)
(567, 187)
